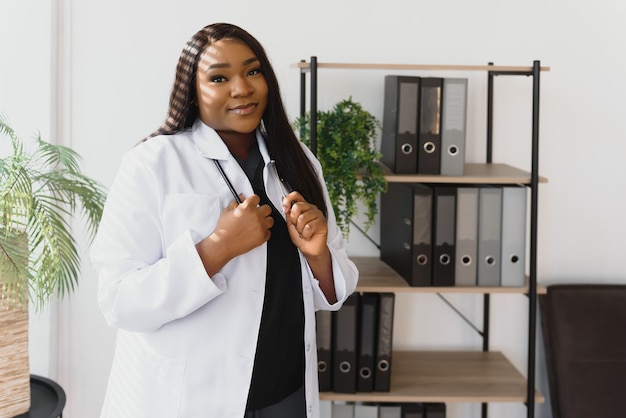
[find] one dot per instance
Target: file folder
(513, 236)
(366, 360)
(323, 326)
(435, 410)
(343, 410)
(422, 236)
(406, 231)
(489, 235)
(345, 344)
(429, 138)
(412, 410)
(444, 235)
(382, 374)
(326, 409)
(400, 124)
(466, 236)
(389, 411)
(366, 410)
(453, 126)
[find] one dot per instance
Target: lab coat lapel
(211, 146)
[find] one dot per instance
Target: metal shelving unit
(493, 378)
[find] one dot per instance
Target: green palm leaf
(41, 191)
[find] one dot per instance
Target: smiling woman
(232, 93)
(210, 267)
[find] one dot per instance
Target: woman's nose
(241, 87)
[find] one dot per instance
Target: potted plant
(41, 189)
(347, 151)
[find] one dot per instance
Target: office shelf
(453, 376)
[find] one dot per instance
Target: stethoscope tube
(228, 182)
(284, 188)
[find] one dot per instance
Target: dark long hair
(284, 147)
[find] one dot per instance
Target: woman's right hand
(240, 228)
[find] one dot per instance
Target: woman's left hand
(308, 230)
(306, 224)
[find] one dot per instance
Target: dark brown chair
(584, 332)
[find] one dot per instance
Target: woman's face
(231, 89)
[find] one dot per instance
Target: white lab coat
(186, 341)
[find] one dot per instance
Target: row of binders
(455, 235)
(424, 125)
(354, 344)
(388, 410)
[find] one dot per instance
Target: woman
(210, 265)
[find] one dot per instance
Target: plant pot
(14, 363)
(15, 369)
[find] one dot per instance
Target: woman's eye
(255, 71)
(218, 79)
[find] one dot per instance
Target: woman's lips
(244, 109)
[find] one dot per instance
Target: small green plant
(41, 188)
(347, 151)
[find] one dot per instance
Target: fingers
(251, 222)
(290, 200)
(263, 212)
(251, 201)
(307, 219)
(232, 205)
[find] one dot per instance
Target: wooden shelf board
(474, 173)
(447, 376)
(304, 65)
(377, 276)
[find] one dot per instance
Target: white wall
(121, 57)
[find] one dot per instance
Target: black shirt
(279, 362)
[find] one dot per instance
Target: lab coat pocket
(144, 383)
(184, 212)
